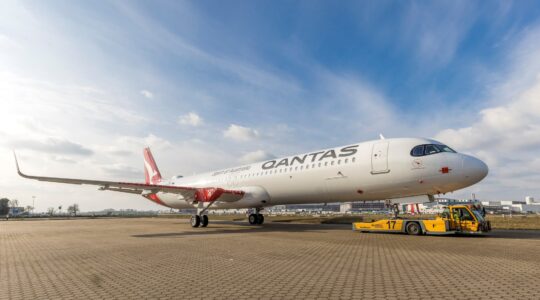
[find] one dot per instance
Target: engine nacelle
(255, 196)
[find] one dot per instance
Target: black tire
(253, 220)
(204, 221)
(414, 228)
(195, 221)
(260, 219)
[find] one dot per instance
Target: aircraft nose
(475, 169)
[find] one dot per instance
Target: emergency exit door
(379, 158)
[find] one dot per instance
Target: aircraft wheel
(204, 221)
(253, 220)
(195, 221)
(260, 219)
(413, 228)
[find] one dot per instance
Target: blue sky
(210, 84)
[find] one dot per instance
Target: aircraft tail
(151, 171)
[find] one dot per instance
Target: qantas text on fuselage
(402, 170)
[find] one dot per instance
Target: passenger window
(339, 162)
(418, 151)
(346, 160)
(353, 159)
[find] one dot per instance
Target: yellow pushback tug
(462, 219)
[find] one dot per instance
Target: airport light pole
(33, 203)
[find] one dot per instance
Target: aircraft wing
(190, 194)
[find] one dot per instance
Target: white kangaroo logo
(150, 169)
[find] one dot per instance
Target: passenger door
(379, 158)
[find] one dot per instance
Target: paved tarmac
(167, 259)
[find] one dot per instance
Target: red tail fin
(151, 171)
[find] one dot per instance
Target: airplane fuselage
(373, 170)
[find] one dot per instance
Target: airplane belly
(296, 188)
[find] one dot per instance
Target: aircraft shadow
(511, 234)
(244, 228)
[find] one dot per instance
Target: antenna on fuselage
(381, 136)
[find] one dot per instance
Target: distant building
(345, 207)
(513, 206)
(449, 201)
(325, 207)
(14, 211)
(362, 206)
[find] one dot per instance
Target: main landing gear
(197, 220)
(200, 219)
(256, 218)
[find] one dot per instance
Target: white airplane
(402, 170)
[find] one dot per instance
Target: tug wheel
(413, 228)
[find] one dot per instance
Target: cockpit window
(429, 149)
(445, 148)
(418, 151)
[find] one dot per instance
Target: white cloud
(192, 119)
(240, 133)
(507, 134)
(135, 142)
(147, 94)
(509, 127)
(51, 145)
(435, 29)
(6, 42)
(123, 171)
(255, 156)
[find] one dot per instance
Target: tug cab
(455, 219)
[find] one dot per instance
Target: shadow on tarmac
(510, 234)
(245, 228)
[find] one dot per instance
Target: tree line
(6, 204)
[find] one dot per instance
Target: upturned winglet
(17, 164)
